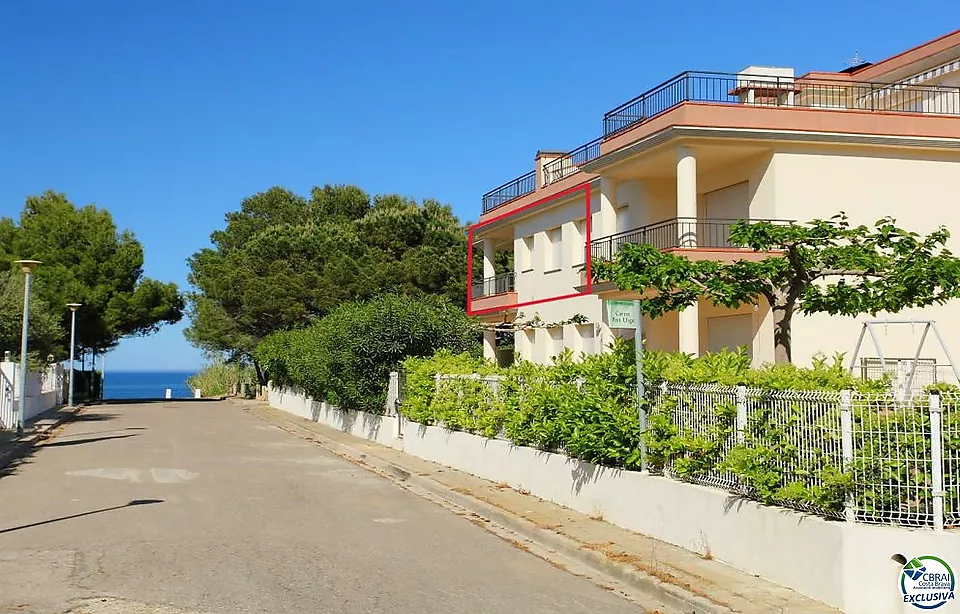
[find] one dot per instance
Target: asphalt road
(175, 508)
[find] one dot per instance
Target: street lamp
(28, 267)
(73, 336)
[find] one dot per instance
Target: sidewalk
(13, 448)
(679, 579)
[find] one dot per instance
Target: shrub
(589, 410)
(346, 356)
(217, 378)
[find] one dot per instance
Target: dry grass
(639, 564)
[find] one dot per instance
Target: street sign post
(626, 314)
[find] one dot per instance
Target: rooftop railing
(744, 89)
(555, 170)
(521, 186)
(782, 91)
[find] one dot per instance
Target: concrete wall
(381, 429)
(43, 393)
(919, 190)
(846, 565)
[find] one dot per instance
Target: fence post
(936, 459)
(393, 393)
(846, 444)
(741, 412)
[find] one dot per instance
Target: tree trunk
(782, 322)
(261, 376)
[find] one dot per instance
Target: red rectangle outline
(589, 260)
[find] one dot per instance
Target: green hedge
(345, 357)
(588, 410)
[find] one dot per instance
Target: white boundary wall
(381, 429)
(846, 565)
(43, 393)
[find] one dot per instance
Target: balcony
(497, 293)
(756, 87)
(489, 286)
(770, 90)
(693, 234)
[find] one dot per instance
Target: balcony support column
(689, 330)
(686, 198)
(488, 253)
(490, 345)
(608, 208)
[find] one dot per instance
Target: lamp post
(73, 343)
(28, 267)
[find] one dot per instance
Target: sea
(146, 384)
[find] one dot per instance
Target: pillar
(490, 345)
(488, 252)
(608, 208)
(689, 330)
(686, 198)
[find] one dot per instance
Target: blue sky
(169, 113)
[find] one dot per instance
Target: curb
(41, 429)
(669, 595)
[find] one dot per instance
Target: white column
(689, 330)
(490, 344)
(608, 208)
(686, 197)
(488, 253)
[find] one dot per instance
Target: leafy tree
(87, 260)
(45, 332)
(346, 356)
(826, 266)
(284, 261)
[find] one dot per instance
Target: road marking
(160, 475)
(389, 520)
(172, 476)
(126, 475)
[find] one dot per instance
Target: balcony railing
(522, 185)
(674, 233)
(489, 286)
(555, 170)
(781, 91)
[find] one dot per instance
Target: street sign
(620, 314)
(626, 314)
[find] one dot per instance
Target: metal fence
(681, 232)
(782, 91)
(7, 408)
(521, 186)
(498, 284)
(898, 462)
(569, 163)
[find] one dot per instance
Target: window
(526, 254)
(579, 243)
(554, 253)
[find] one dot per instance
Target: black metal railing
(555, 170)
(522, 185)
(782, 91)
(670, 234)
(498, 284)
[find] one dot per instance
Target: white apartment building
(678, 164)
